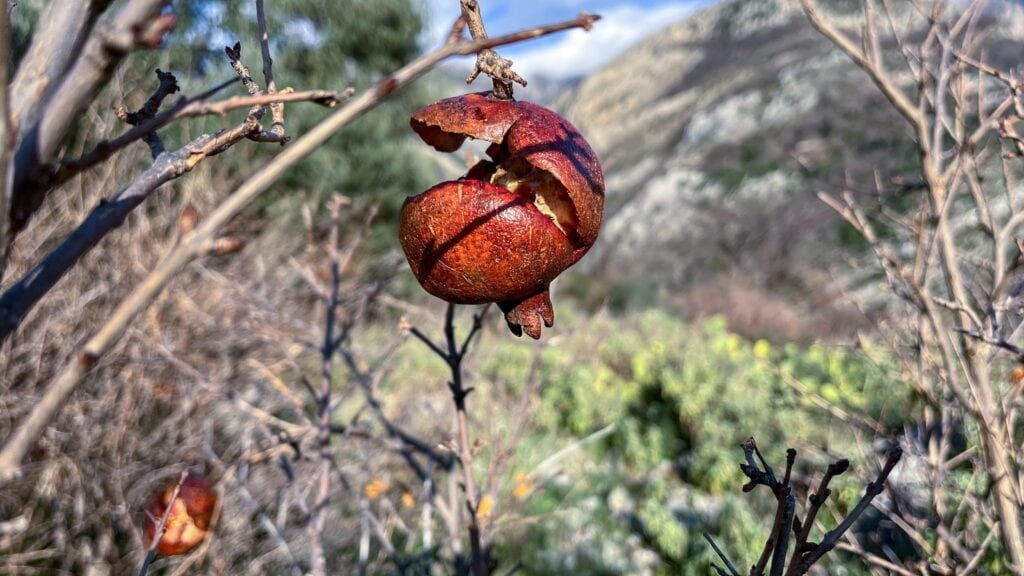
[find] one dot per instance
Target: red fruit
(513, 223)
(189, 518)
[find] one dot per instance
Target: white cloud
(439, 16)
(577, 52)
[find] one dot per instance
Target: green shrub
(681, 399)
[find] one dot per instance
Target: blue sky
(624, 22)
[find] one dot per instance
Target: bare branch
(19, 299)
(192, 107)
(875, 560)
(832, 537)
(488, 61)
(956, 316)
(764, 476)
(139, 24)
(266, 523)
(782, 537)
(168, 85)
(323, 399)
(453, 356)
(804, 554)
(235, 55)
(884, 83)
(276, 108)
(22, 296)
(62, 30)
(993, 341)
(7, 133)
(465, 449)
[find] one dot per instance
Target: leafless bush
(952, 259)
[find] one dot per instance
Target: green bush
(681, 399)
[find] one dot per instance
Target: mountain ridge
(716, 134)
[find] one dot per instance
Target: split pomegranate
(189, 518)
(513, 223)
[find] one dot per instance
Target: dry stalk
(453, 354)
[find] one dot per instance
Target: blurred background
(722, 300)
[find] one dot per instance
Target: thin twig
(276, 108)
(728, 564)
(488, 61)
(777, 545)
(158, 533)
(168, 85)
(23, 295)
(264, 521)
(993, 341)
(193, 107)
(465, 449)
(235, 56)
(20, 297)
(323, 400)
(6, 129)
(832, 537)
(764, 476)
(817, 499)
(898, 99)
(453, 356)
(139, 25)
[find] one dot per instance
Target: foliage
(678, 396)
(332, 45)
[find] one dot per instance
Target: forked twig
(804, 553)
(453, 353)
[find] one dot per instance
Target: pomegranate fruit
(513, 223)
(188, 519)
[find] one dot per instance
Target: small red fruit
(189, 518)
(513, 223)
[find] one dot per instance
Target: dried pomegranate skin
(472, 242)
(528, 314)
(446, 124)
(543, 138)
(515, 222)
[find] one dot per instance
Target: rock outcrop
(716, 133)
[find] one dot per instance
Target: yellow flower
(762, 350)
(485, 507)
(375, 488)
(1017, 376)
(523, 487)
(408, 500)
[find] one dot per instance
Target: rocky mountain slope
(717, 132)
